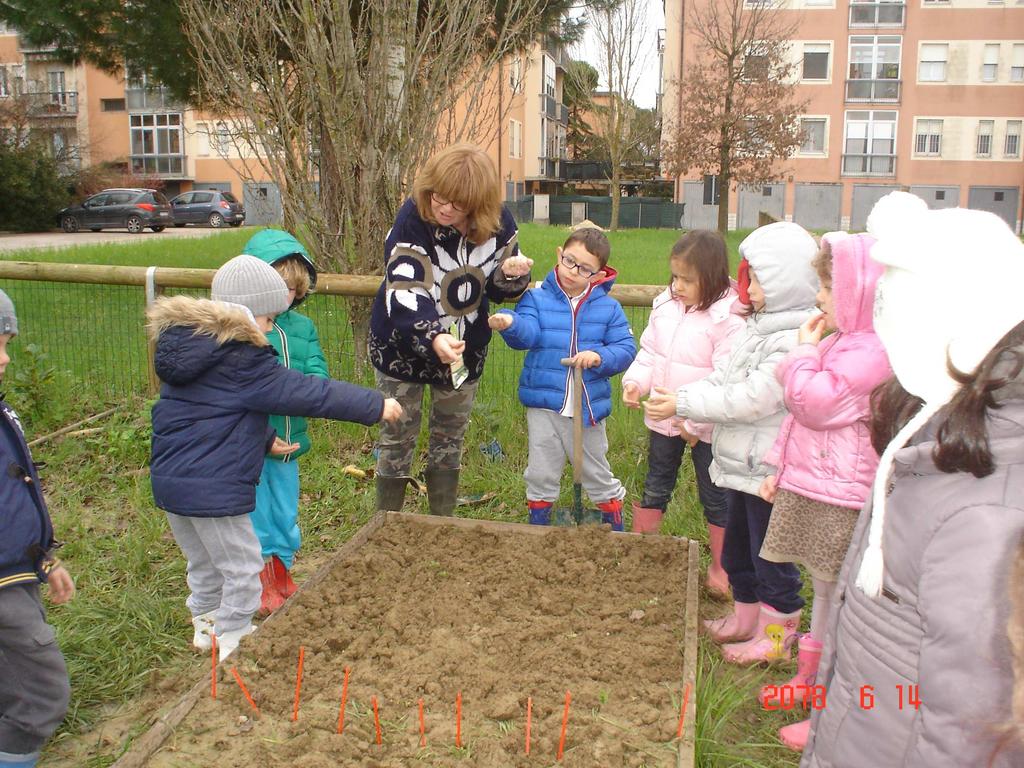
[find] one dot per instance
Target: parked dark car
(131, 209)
(207, 206)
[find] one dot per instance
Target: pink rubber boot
(739, 625)
(795, 736)
(717, 581)
(773, 637)
(646, 519)
(807, 660)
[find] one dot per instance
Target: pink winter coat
(823, 450)
(680, 347)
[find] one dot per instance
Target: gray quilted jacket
(940, 627)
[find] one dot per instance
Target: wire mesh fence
(93, 336)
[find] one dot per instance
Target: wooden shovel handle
(577, 420)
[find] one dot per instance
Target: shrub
(33, 188)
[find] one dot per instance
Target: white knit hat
(8, 320)
(252, 283)
(950, 292)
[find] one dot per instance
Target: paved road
(65, 240)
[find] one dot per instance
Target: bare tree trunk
(615, 190)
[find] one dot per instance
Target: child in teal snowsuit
(276, 516)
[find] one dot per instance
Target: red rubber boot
(282, 578)
(271, 599)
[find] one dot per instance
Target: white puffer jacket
(742, 397)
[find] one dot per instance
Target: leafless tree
(340, 102)
(623, 48)
(739, 112)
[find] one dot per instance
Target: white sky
(647, 85)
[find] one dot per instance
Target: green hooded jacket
(293, 335)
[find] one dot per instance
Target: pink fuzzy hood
(854, 277)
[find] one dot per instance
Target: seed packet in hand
(459, 371)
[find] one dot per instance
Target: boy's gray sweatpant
(550, 437)
(224, 564)
(34, 688)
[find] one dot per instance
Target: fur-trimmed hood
(181, 355)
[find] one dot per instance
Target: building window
(1017, 64)
(813, 131)
(984, 145)
(515, 139)
(156, 141)
(755, 63)
(5, 85)
(928, 139)
(874, 68)
(990, 63)
(222, 139)
(869, 147)
(932, 68)
(515, 75)
(1011, 147)
(549, 85)
(112, 105)
(815, 64)
(710, 190)
(202, 139)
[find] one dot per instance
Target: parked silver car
(131, 209)
(207, 206)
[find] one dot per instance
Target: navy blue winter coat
(546, 325)
(220, 380)
(26, 535)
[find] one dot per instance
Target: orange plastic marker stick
(238, 679)
(423, 731)
(682, 711)
(376, 720)
(458, 719)
(344, 698)
(565, 723)
(298, 683)
(529, 714)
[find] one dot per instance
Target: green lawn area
(126, 634)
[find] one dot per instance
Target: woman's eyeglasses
(441, 202)
(585, 272)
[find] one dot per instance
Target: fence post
(152, 291)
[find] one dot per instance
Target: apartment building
(924, 95)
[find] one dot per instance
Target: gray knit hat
(8, 320)
(252, 283)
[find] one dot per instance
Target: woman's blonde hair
(465, 175)
(295, 274)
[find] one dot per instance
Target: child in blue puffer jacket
(571, 315)
(220, 378)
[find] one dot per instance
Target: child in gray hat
(220, 379)
(35, 691)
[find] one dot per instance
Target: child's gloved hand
(661, 405)
(811, 330)
(586, 359)
(500, 321)
(281, 448)
(631, 395)
(769, 486)
(447, 348)
(392, 410)
(62, 586)
(516, 266)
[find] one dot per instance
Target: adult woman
(452, 248)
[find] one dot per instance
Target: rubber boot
(807, 659)
(774, 636)
(391, 493)
(717, 581)
(795, 736)
(611, 513)
(228, 641)
(18, 760)
(540, 512)
(203, 625)
(646, 519)
(738, 625)
(271, 599)
(282, 579)
(442, 489)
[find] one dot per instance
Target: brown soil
(428, 611)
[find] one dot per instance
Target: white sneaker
(203, 624)
(228, 641)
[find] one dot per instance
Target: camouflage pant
(449, 417)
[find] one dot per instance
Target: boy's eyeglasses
(440, 202)
(585, 272)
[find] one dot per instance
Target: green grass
(126, 633)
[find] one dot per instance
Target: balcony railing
(139, 99)
(587, 170)
(877, 14)
(869, 165)
(887, 91)
(554, 109)
(52, 103)
(32, 50)
(171, 166)
(552, 168)
(556, 51)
